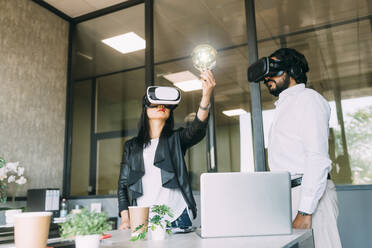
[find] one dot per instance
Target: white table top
(120, 239)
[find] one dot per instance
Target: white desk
(298, 239)
(120, 239)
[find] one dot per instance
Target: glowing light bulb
(204, 57)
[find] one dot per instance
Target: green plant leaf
(141, 235)
(2, 162)
(158, 219)
(162, 210)
(138, 227)
(134, 238)
(85, 223)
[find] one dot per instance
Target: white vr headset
(162, 95)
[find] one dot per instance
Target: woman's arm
(208, 84)
(125, 223)
(196, 131)
(122, 190)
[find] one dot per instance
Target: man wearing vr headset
(153, 169)
(298, 142)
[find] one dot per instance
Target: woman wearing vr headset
(153, 169)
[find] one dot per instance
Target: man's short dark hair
(297, 62)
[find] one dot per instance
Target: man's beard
(280, 88)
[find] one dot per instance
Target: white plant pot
(158, 233)
(87, 241)
(9, 215)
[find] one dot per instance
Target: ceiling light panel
(234, 112)
(126, 43)
(184, 80)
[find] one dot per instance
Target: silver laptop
(245, 204)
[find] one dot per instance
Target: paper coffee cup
(31, 229)
(137, 217)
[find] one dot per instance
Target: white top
(153, 191)
(298, 141)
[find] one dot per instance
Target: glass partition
(118, 78)
(337, 43)
(109, 153)
(93, 57)
(81, 114)
(179, 28)
(335, 37)
(119, 101)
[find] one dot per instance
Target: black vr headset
(266, 67)
(162, 95)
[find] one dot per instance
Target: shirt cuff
(307, 205)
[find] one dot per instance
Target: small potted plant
(11, 178)
(11, 174)
(157, 223)
(86, 227)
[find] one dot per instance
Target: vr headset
(162, 95)
(266, 67)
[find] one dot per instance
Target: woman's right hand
(125, 223)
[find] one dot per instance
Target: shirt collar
(288, 92)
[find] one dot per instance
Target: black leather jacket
(169, 157)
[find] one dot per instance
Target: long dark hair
(143, 136)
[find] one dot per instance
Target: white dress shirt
(298, 141)
(153, 191)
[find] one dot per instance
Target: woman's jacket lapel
(137, 170)
(164, 162)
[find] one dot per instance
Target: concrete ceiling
(75, 8)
